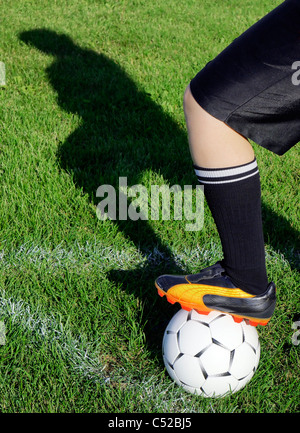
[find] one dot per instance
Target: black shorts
(254, 84)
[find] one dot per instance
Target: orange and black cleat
(211, 289)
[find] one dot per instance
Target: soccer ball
(210, 355)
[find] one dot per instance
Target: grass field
(94, 92)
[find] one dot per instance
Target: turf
(94, 92)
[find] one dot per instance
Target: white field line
(80, 354)
(76, 351)
(106, 258)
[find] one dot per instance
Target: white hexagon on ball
(202, 337)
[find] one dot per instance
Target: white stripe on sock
(228, 180)
(226, 172)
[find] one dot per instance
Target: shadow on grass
(123, 133)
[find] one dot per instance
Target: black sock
(234, 198)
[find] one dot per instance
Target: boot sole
(202, 309)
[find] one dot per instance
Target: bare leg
(213, 144)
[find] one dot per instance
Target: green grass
(94, 91)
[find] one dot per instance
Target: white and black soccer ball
(210, 355)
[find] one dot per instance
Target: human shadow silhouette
(123, 133)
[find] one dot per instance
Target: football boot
(212, 289)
